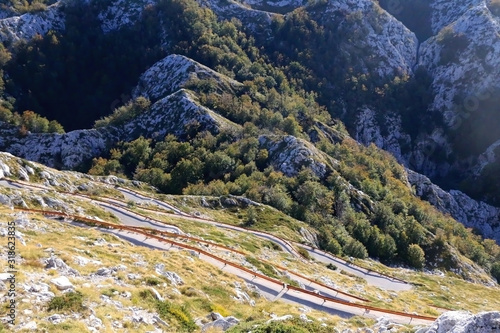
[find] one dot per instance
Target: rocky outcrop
(380, 44)
(465, 322)
(445, 12)
(57, 150)
(173, 72)
(27, 26)
(255, 20)
(464, 59)
(368, 131)
(122, 13)
(175, 114)
(219, 322)
(472, 213)
(289, 155)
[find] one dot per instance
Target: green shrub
(303, 252)
(168, 310)
(72, 301)
(416, 256)
(331, 266)
(495, 271)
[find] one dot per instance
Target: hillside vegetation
(356, 198)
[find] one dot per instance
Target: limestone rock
(220, 322)
(472, 213)
(173, 73)
(62, 283)
(282, 318)
(173, 277)
(465, 322)
(59, 265)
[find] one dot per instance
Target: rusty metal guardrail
(367, 308)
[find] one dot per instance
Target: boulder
(56, 319)
(31, 326)
(103, 271)
(59, 265)
(221, 324)
(62, 283)
(465, 322)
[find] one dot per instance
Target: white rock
(157, 294)
(158, 320)
(304, 318)
(172, 73)
(465, 322)
(221, 324)
(62, 283)
(56, 319)
(31, 326)
(282, 318)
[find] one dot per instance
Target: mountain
(371, 54)
(365, 128)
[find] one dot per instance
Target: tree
(416, 256)
(34, 122)
(136, 151)
(55, 127)
(495, 271)
(355, 249)
(218, 164)
(291, 126)
(185, 172)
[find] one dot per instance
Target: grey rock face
(289, 154)
(464, 322)
(60, 265)
(173, 73)
(472, 213)
(219, 322)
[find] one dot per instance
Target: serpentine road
(371, 277)
(131, 219)
(273, 289)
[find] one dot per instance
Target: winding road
(328, 300)
(371, 277)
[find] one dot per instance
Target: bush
(334, 247)
(331, 266)
(303, 252)
(495, 271)
(72, 301)
(166, 309)
(355, 249)
(416, 256)
(151, 281)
